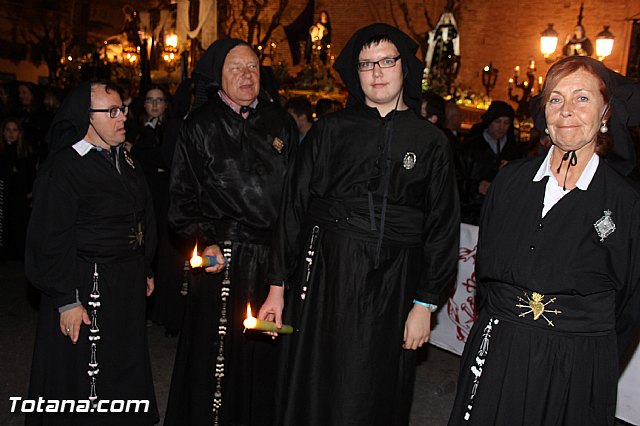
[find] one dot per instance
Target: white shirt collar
(82, 147)
(585, 178)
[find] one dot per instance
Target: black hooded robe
(226, 184)
(85, 216)
(345, 364)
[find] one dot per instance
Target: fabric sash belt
(591, 314)
(117, 240)
(403, 225)
(234, 231)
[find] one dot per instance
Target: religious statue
(443, 54)
(319, 38)
(578, 44)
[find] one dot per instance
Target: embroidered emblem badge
(136, 236)
(278, 145)
(605, 226)
(536, 307)
(409, 160)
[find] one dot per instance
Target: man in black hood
(90, 242)
(226, 182)
(488, 148)
(367, 240)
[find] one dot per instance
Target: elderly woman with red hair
(557, 263)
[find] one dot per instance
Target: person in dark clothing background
(17, 172)
(89, 248)
(485, 151)
(226, 182)
(155, 154)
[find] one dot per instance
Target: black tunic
(345, 365)
(86, 214)
(535, 373)
(478, 162)
(155, 154)
(226, 185)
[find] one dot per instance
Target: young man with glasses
(367, 240)
(90, 242)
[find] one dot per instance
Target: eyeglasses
(114, 112)
(154, 101)
(382, 63)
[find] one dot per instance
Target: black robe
(85, 214)
(226, 185)
(345, 364)
(476, 161)
(534, 373)
(155, 154)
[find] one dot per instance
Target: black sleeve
(186, 217)
(51, 242)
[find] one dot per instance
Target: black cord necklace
(573, 160)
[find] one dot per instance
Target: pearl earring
(604, 128)
(546, 130)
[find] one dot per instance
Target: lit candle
(540, 82)
(517, 70)
(510, 83)
(253, 323)
(202, 261)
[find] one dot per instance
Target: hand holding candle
(253, 323)
(203, 261)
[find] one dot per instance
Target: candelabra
(527, 87)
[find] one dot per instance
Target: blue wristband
(431, 307)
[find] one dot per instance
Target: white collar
(585, 178)
(82, 147)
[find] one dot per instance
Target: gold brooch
(278, 145)
(536, 307)
(128, 159)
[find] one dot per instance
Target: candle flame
(250, 322)
(195, 261)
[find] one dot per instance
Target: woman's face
(155, 103)
(11, 132)
(324, 18)
(25, 95)
(574, 111)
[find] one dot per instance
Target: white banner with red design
(454, 321)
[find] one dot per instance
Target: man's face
(105, 131)
(499, 127)
(381, 86)
(241, 75)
